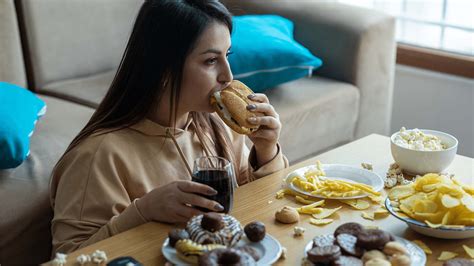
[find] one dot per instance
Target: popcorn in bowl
(415, 139)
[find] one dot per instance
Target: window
(446, 25)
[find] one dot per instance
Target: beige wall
(431, 100)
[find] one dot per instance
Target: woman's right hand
(173, 202)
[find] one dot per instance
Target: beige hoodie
(94, 189)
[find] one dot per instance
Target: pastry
(349, 228)
(255, 231)
(177, 234)
(373, 254)
(228, 235)
(377, 262)
(326, 254)
(251, 251)
(323, 240)
(347, 243)
(190, 251)
(287, 215)
(400, 260)
(347, 261)
(394, 247)
(458, 262)
(226, 256)
(372, 239)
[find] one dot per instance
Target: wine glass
(218, 173)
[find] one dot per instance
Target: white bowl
(422, 162)
(424, 229)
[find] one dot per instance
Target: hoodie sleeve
(89, 197)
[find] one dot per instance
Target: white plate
(269, 249)
(340, 172)
(417, 255)
(424, 229)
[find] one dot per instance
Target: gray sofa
(67, 52)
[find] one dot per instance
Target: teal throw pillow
(265, 53)
(20, 109)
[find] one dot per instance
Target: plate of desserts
(334, 181)
(353, 244)
(220, 239)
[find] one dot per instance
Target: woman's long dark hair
(164, 33)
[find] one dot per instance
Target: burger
(231, 105)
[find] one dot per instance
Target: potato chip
(447, 255)
(468, 201)
(380, 213)
(432, 225)
(314, 204)
(280, 194)
(401, 192)
(402, 215)
(325, 213)
(371, 227)
(358, 204)
(376, 199)
(320, 221)
(449, 201)
(309, 210)
(302, 200)
(469, 251)
(423, 246)
(368, 216)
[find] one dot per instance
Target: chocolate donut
(228, 236)
(177, 234)
(324, 255)
(226, 256)
(458, 262)
(372, 239)
(349, 228)
(347, 243)
(255, 231)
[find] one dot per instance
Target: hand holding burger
(252, 114)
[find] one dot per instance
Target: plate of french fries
(334, 181)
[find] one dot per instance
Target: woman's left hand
(266, 137)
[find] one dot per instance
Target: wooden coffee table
(256, 201)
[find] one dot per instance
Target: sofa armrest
(356, 45)
(12, 68)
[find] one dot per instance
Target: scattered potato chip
(376, 199)
(302, 200)
(280, 194)
(380, 213)
(447, 255)
(469, 251)
(423, 246)
(358, 204)
(368, 216)
(320, 221)
(325, 213)
(371, 227)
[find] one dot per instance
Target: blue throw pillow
(265, 53)
(19, 111)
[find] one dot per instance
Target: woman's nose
(225, 77)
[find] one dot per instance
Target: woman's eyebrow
(214, 51)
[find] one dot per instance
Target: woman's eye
(211, 61)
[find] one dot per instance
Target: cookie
(400, 260)
(373, 254)
(212, 222)
(347, 261)
(394, 247)
(372, 239)
(347, 243)
(377, 262)
(323, 240)
(349, 228)
(326, 254)
(458, 262)
(177, 234)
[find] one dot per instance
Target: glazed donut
(226, 256)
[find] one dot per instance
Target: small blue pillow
(265, 53)
(19, 111)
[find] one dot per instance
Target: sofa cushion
(266, 54)
(316, 114)
(75, 38)
(26, 236)
(20, 110)
(88, 90)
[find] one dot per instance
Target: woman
(128, 165)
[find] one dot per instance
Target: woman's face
(206, 69)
